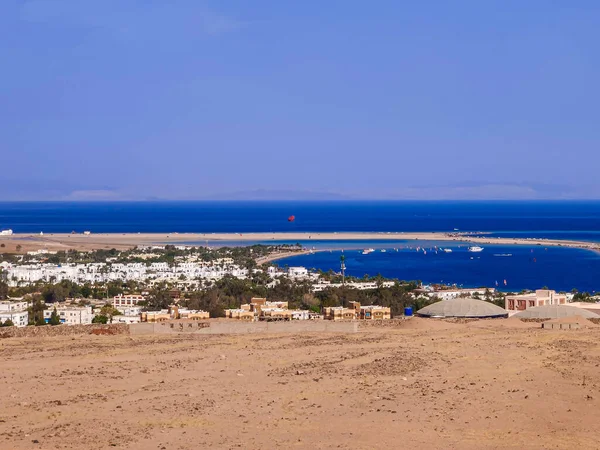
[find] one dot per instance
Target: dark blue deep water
(550, 219)
(558, 268)
(526, 268)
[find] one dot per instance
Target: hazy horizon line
(295, 200)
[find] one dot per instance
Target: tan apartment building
(261, 309)
(540, 297)
(174, 313)
(371, 312)
(257, 304)
(272, 314)
(127, 300)
(156, 316)
(339, 313)
(191, 314)
(239, 314)
(356, 311)
(375, 312)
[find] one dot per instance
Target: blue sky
(192, 99)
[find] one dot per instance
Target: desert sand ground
(426, 385)
(29, 242)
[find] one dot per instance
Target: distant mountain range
(64, 190)
(284, 195)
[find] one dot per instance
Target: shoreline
(278, 256)
(123, 241)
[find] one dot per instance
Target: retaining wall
(191, 327)
(64, 330)
(230, 327)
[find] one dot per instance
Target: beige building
(375, 312)
(275, 314)
(127, 300)
(541, 297)
(262, 309)
(257, 304)
(193, 314)
(339, 313)
(156, 316)
(174, 313)
(240, 314)
(356, 311)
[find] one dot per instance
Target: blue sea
(526, 268)
(558, 268)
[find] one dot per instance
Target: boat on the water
(475, 249)
(447, 250)
(368, 250)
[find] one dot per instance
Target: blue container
(408, 311)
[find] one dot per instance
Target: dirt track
(431, 385)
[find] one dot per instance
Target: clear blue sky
(186, 99)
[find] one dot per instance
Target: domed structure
(555, 312)
(463, 307)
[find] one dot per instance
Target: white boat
(475, 249)
(448, 250)
(503, 254)
(383, 250)
(368, 250)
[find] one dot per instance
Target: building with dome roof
(464, 308)
(555, 312)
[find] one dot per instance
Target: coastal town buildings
(271, 314)
(126, 319)
(131, 311)
(156, 316)
(41, 252)
(261, 309)
(240, 314)
(302, 314)
(339, 313)
(297, 272)
(541, 297)
(357, 312)
(293, 273)
(16, 312)
(374, 312)
(70, 315)
(192, 314)
(122, 301)
(257, 304)
(173, 313)
(360, 285)
(21, 275)
(450, 294)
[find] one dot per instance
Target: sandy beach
(29, 242)
(428, 384)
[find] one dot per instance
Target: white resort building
(16, 312)
(71, 315)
